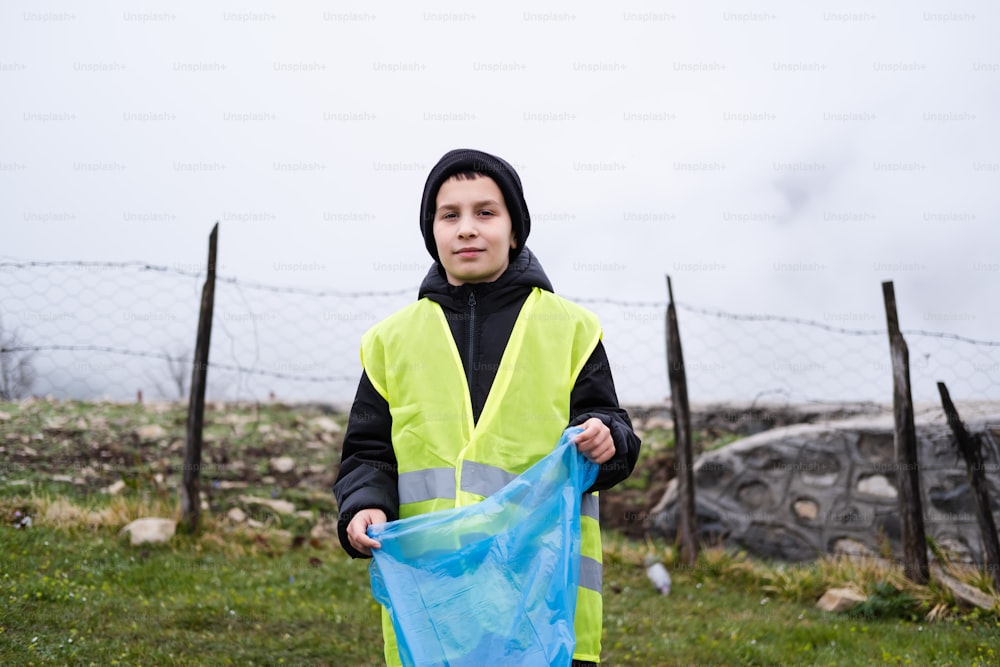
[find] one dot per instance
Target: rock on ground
(115, 488)
(325, 424)
(282, 464)
(840, 599)
(150, 432)
(279, 506)
(154, 530)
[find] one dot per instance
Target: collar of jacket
(521, 275)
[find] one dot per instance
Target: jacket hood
(523, 273)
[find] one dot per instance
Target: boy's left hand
(595, 442)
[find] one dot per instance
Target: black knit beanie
(463, 160)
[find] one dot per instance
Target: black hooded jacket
(481, 317)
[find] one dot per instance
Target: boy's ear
(513, 240)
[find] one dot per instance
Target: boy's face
(472, 230)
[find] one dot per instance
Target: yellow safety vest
(446, 460)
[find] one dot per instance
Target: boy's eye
(486, 213)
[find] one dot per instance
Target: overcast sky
(782, 159)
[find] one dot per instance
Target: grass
(77, 597)
(252, 597)
(74, 592)
(728, 609)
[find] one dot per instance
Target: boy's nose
(466, 227)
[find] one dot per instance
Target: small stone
(877, 485)
(28, 451)
(806, 509)
(234, 418)
(142, 531)
(325, 424)
(279, 506)
(115, 488)
(659, 423)
(322, 531)
(282, 464)
(150, 432)
(4, 416)
(62, 478)
(840, 599)
(236, 515)
(254, 523)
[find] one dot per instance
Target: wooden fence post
(970, 449)
(907, 466)
(191, 485)
(682, 435)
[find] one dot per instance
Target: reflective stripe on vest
(444, 458)
(484, 480)
(430, 484)
(591, 573)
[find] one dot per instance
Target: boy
(474, 383)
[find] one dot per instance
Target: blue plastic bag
(492, 583)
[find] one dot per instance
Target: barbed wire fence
(109, 330)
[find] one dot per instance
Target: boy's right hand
(357, 530)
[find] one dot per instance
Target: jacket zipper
(471, 340)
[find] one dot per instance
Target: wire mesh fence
(114, 329)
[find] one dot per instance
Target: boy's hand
(356, 530)
(595, 442)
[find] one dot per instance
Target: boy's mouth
(468, 252)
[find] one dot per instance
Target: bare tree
(178, 374)
(179, 366)
(17, 373)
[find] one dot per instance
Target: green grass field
(281, 591)
(82, 597)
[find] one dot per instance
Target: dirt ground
(81, 449)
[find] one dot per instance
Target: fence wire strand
(110, 329)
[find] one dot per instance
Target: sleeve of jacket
(594, 395)
(368, 473)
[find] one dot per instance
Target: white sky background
(790, 157)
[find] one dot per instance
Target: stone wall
(796, 492)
